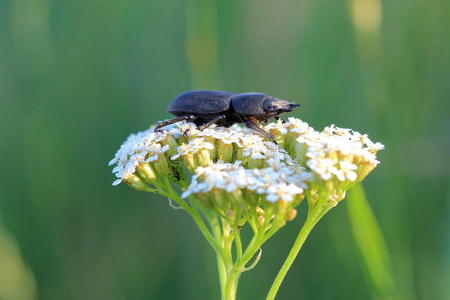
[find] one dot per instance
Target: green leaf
(371, 243)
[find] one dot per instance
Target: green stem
(221, 268)
(313, 217)
(231, 288)
(237, 238)
(233, 274)
(271, 232)
(228, 245)
(231, 283)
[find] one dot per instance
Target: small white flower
(282, 191)
(324, 167)
(181, 128)
(116, 182)
(225, 135)
(348, 170)
(281, 184)
(192, 147)
(279, 126)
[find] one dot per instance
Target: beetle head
(275, 107)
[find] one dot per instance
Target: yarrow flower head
(236, 172)
(232, 177)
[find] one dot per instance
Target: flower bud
(291, 214)
(136, 183)
(224, 151)
(161, 166)
(260, 211)
(203, 158)
(189, 160)
(146, 172)
(261, 220)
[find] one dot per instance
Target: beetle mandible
(206, 107)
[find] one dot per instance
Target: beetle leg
(252, 124)
(174, 120)
(282, 120)
(186, 133)
(211, 122)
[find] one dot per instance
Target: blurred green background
(76, 77)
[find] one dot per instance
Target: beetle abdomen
(200, 102)
(249, 104)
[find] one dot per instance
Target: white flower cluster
(342, 153)
(276, 184)
(236, 158)
(333, 153)
(252, 145)
(138, 148)
(291, 125)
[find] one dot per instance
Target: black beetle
(205, 108)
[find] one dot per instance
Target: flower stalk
(314, 216)
(230, 178)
